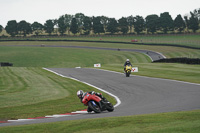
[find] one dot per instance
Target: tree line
(81, 24)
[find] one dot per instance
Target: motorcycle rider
(80, 95)
(127, 63)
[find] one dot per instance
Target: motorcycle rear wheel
(96, 108)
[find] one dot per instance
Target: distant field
(192, 40)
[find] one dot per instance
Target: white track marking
(117, 99)
(81, 112)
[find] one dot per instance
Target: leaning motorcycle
(128, 70)
(97, 104)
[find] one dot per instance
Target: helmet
(80, 93)
(127, 59)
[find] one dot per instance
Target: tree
(97, 25)
(139, 24)
(68, 19)
(74, 26)
(79, 18)
(152, 22)
(179, 24)
(11, 28)
(166, 22)
(196, 13)
(49, 26)
(112, 26)
(130, 21)
(37, 28)
(104, 21)
(24, 27)
(123, 25)
(193, 23)
(62, 26)
(1, 28)
(186, 23)
(87, 25)
(55, 23)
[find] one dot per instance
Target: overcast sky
(42, 10)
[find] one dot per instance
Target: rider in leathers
(80, 94)
(127, 63)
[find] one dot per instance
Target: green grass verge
(182, 72)
(175, 122)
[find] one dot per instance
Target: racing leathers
(127, 63)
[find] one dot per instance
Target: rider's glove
(98, 94)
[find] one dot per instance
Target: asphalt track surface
(138, 95)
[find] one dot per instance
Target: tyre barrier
(5, 64)
(183, 60)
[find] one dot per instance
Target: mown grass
(34, 92)
(163, 122)
(63, 57)
(27, 86)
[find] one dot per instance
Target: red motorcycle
(97, 104)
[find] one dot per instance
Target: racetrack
(138, 95)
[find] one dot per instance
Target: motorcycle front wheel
(109, 107)
(95, 107)
(127, 74)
